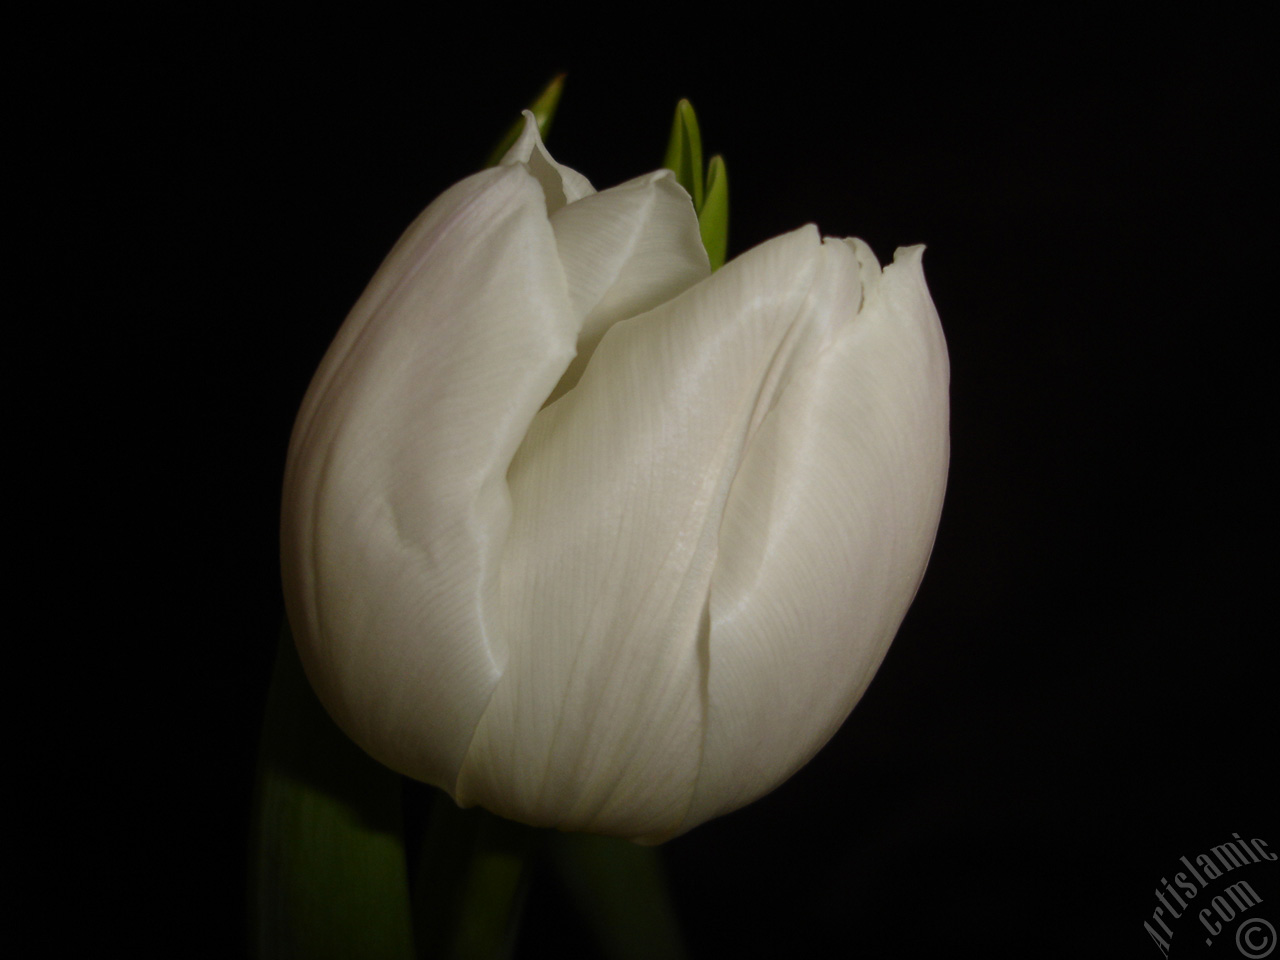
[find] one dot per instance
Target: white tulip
(581, 533)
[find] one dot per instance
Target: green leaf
(328, 876)
(713, 218)
(544, 108)
(684, 152)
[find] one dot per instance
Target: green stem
(621, 890)
(471, 884)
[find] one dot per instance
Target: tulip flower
(592, 537)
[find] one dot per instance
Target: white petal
(395, 498)
(560, 183)
(626, 250)
(618, 493)
(826, 536)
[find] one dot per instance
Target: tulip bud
(580, 532)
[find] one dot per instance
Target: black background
(1084, 689)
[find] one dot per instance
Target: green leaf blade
(543, 109)
(684, 152)
(713, 219)
(328, 874)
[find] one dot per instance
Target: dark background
(1084, 690)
